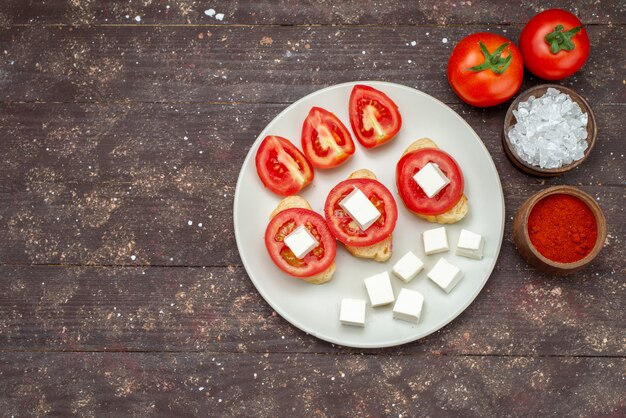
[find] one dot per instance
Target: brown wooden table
(121, 121)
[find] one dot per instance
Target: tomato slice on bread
(412, 194)
(326, 141)
(282, 167)
(343, 227)
(374, 117)
(317, 260)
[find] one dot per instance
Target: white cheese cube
(379, 289)
(360, 209)
(431, 179)
(445, 275)
(300, 241)
(408, 307)
(470, 245)
(408, 266)
(352, 312)
(435, 240)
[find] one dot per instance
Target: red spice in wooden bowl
(562, 228)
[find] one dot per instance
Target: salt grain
(138, 18)
(209, 12)
(413, 43)
(219, 16)
(551, 130)
(444, 40)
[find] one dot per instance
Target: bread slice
(419, 144)
(300, 202)
(290, 202)
(381, 251)
(458, 211)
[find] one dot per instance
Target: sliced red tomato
(343, 227)
(282, 167)
(326, 141)
(374, 117)
(412, 194)
(317, 260)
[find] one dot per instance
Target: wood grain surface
(298, 384)
(121, 121)
(224, 64)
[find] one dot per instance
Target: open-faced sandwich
(362, 214)
(299, 241)
(430, 183)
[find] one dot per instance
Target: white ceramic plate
(315, 308)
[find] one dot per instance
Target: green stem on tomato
(493, 62)
(560, 40)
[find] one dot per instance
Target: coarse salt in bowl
(555, 132)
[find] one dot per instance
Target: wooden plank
(97, 183)
(290, 12)
(97, 230)
(254, 64)
(105, 145)
(190, 384)
(519, 312)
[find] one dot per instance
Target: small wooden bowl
(530, 253)
(509, 121)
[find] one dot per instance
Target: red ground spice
(562, 228)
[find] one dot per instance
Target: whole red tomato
(485, 69)
(554, 44)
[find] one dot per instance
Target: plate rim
(438, 326)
